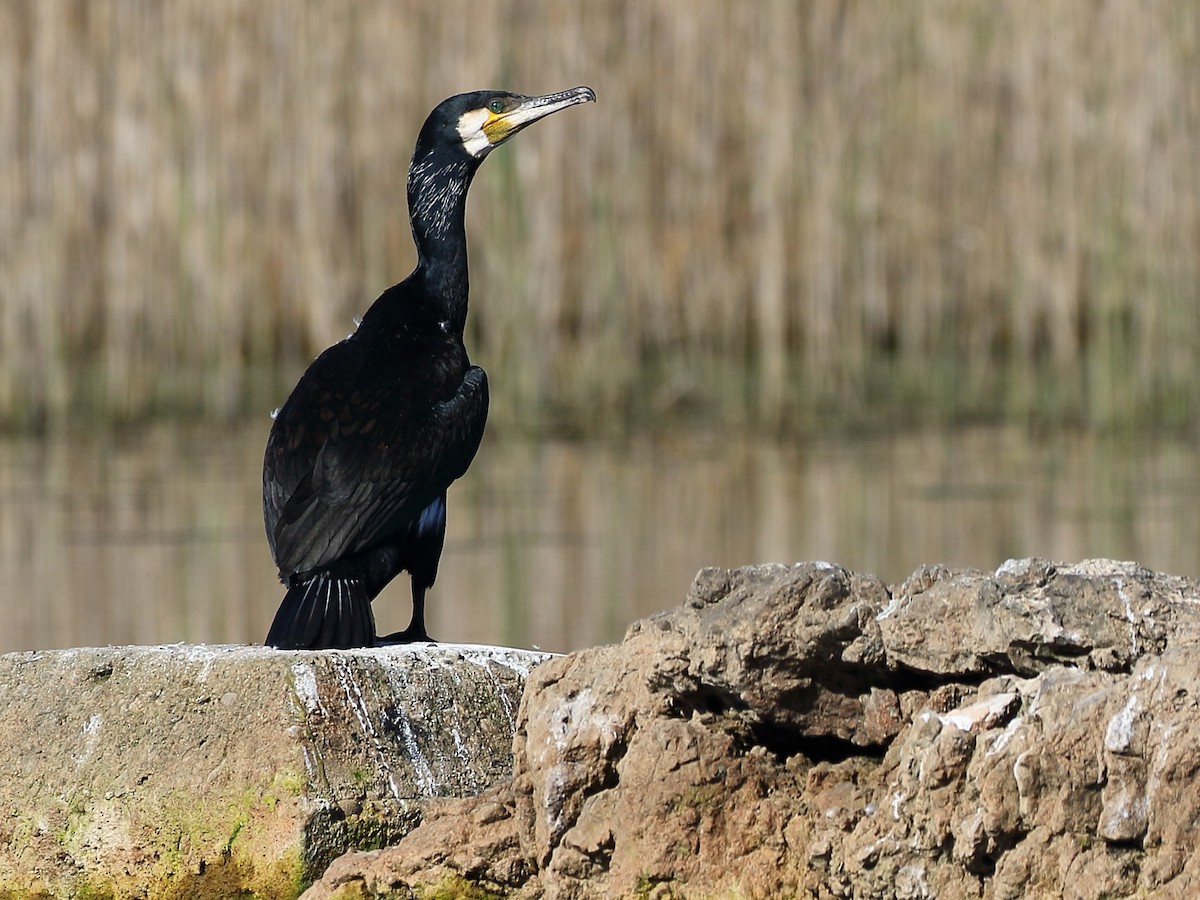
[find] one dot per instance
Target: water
(156, 536)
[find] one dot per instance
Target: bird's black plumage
(360, 456)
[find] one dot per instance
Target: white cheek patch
(470, 129)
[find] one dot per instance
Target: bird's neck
(437, 204)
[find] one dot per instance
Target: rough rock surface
(195, 771)
(804, 731)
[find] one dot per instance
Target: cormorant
(360, 455)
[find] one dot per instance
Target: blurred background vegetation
(780, 214)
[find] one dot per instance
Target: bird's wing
(350, 484)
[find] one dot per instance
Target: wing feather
(375, 463)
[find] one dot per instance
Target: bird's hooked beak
(505, 116)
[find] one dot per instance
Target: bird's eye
(496, 106)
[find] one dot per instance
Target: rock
(195, 771)
(805, 731)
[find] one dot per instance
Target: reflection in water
(157, 537)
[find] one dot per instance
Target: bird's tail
(324, 612)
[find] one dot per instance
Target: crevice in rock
(1127, 845)
(707, 700)
(1028, 659)
(903, 679)
(608, 778)
(786, 743)
(717, 707)
(985, 861)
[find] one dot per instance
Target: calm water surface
(156, 537)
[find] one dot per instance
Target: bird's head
(482, 120)
(454, 140)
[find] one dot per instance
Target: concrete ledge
(205, 771)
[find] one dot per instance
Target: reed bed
(778, 213)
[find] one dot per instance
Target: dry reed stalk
(775, 210)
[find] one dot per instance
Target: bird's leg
(416, 628)
(415, 631)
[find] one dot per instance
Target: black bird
(360, 455)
